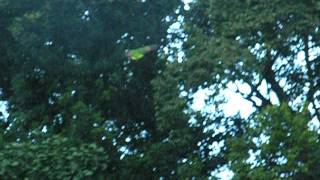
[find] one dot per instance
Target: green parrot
(139, 53)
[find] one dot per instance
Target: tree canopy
(102, 89)
(271, 48)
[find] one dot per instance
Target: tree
(71, 88)
(54, 158)
(65, 73)
(270, 47)
(280, 146)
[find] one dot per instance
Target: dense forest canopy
(103, 89)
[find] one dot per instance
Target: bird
(138, 53)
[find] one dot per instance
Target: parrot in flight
(139, 53)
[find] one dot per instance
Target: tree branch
(270, 77)
(255, 92)
(311, 76)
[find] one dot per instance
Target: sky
(235, 104)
